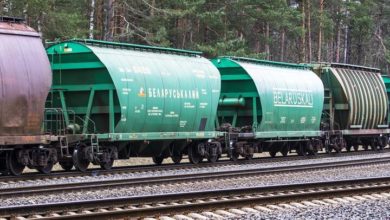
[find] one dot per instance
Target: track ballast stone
(368, 209)
(345, 173)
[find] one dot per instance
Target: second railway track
(152, 180)
(143, 206)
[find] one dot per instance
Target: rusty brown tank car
(25, 78)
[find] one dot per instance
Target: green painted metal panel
(386, 80)
(290, 96)
(155, 89)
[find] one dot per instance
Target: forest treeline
(342, 31)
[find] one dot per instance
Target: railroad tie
(350, 199)
(213, 215)
(287, 206)
(237, 211)
(298, 205)
(378, 196)
(262, 208)
(341, 200)
(308, 203)
(182, 217)
(331, 201)
(197, 216)
(226, 213)
(274, 207)
(385, 194)
(360, 198)
(370, 197)
(166, 218)
(319, 202)
(250, 210)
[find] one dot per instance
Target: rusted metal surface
(25, 79)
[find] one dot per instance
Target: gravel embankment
(368, 209)
(304, 177)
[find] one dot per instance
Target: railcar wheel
(212, 159)
(374, 145)
(176, 158)
(193, 155)
(365, 147)
(234, 157)
(249, 157)
(284, 151)
(14, 167)
(3, 165)
(355, 147)
(80, 162)
(66, 165)
(158, 160)
(300, 149)
(107, 165)
(272, 153)
(46, 169)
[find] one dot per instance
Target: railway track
(152, 180)
(154, 205)
(147, 168)
(40, 210)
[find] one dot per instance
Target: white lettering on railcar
(169, 93)
(172, 114)
(127, 80)
(182, 124)
(188, 105)
(293, 98)
(203, 104)
(155, 111)
(141, 70)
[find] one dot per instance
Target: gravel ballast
(379, 170)
(368, 209)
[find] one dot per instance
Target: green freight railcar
(272, 106)
(355, 107)
(386, 80)
(136, 100)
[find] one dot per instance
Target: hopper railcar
(356, 107)
(269, 106)
(134, 100)
(25, 80)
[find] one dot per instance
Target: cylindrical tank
(357, 96)
(25, 78)
(153, 89)
(278, 99)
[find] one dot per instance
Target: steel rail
(141, 206)
(153, 180)
(146, 168)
